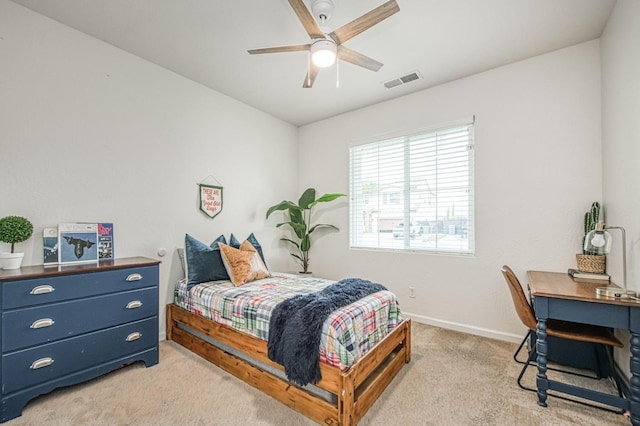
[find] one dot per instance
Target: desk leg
(634, 396)
(541, 347)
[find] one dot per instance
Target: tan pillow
(243, 264)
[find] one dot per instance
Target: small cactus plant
(591, 218)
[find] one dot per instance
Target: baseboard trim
(464, 328)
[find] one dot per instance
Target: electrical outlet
(412, 292)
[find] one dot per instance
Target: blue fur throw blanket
(295, 326)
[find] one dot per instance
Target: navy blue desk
(558, 296)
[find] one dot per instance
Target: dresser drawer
(26, 327)
(21, 293)
(22, 369)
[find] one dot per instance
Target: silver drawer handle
(42, 289)
(134, 304)
(42, 362)
(134, 277)
(134, 336)
(41, 323)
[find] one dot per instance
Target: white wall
(538, 169)
(621, 142)
(621, 134)
(91, 133)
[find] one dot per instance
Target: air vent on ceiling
(402, 80)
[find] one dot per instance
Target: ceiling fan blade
(359, 59)
(279, 49)
(311, 76)
(366, 21)
(307, 20)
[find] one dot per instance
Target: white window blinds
(414, 192)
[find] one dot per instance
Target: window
(414, 192)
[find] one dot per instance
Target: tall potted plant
(299, 216)
(590, 261)
(13, 230)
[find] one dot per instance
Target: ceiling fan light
(323, 53)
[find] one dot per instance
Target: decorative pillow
(243, 264)
(182, 260)
(233, 242)
(254, 242)
(203, 262)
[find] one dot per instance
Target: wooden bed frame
(355, 388)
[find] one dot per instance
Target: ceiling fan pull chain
(337, 74)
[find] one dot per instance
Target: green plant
(591, 218)
(15, 229)
(300, 222)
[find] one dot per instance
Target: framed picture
(50, 246)
(105, 241)
(77, 242)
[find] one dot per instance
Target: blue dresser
(65, 325)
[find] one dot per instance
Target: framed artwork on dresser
(77, 243)
(50, 246)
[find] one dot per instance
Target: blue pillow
(233, 242)
(204, 263)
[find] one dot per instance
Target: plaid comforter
(347, 335)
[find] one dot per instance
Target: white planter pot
(11, 260)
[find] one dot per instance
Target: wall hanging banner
(210, 199)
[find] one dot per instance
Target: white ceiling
(207, 41)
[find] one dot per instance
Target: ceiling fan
(325, 48)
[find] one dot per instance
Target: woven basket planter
(591, 263)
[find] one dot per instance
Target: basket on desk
(591, 263)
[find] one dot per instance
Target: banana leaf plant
(299, 216)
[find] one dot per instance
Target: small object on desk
(574, 273)
(615, 292)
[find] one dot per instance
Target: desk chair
(561, 329)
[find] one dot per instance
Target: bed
(356, 365)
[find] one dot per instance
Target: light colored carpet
(453, 379)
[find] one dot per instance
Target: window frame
(357, 199)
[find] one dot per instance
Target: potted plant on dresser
(13, 230)
(300, 222)
(591, 261)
